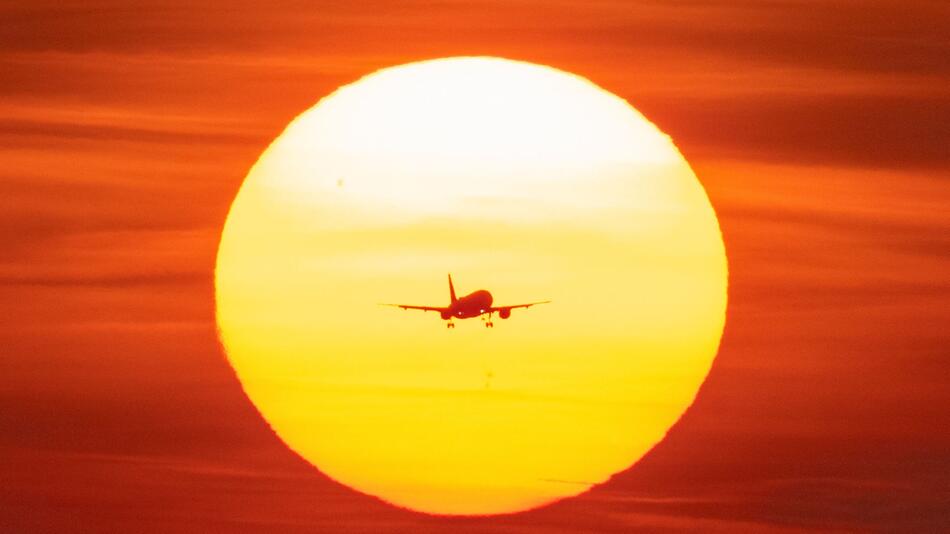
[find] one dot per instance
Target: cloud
(851, 35)
(847, 83)
(820, 132)
(848, 130)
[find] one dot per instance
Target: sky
(820, 132)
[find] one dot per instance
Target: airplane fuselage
(471, 305)
(474, 304)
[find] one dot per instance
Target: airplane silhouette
(474, 304)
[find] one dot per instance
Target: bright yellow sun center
(517, 178)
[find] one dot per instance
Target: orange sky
(820, 133)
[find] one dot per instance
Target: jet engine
(504, 313)
(446, 315)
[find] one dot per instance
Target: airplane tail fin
(452, 290)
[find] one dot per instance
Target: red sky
(821, 133)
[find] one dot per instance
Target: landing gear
(488, 323)
(450, 324)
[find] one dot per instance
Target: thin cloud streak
(850, 35)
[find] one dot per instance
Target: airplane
(474, 304)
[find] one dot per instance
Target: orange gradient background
(819, 131)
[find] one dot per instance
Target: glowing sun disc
(517, 178)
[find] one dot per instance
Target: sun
(517, 178)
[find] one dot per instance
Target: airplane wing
(513, 306)
(411, 307)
